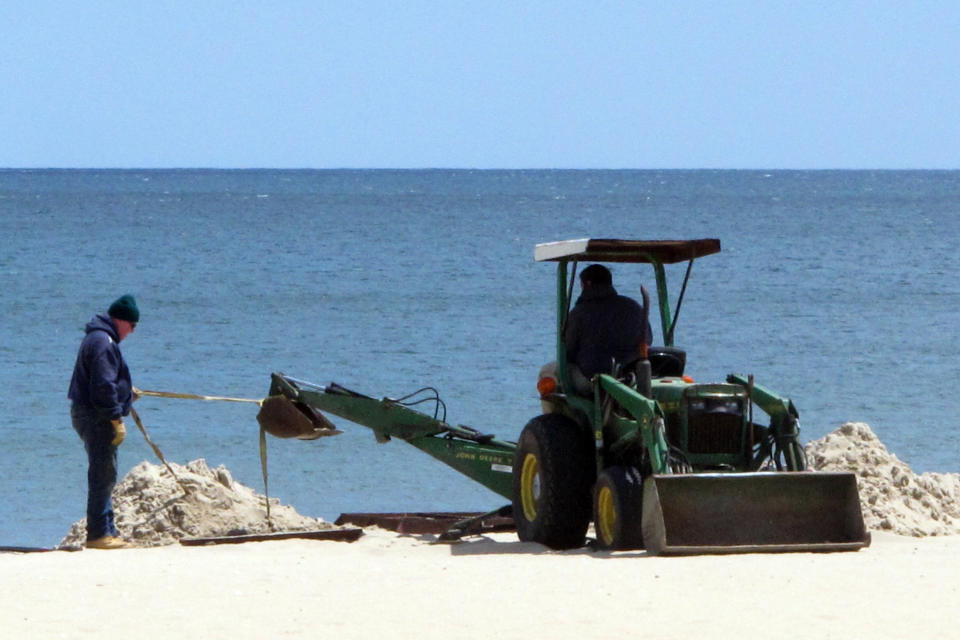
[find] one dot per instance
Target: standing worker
(101, 393)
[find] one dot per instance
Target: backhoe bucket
(692, 514)
(283, 418)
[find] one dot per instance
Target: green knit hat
(125, 308)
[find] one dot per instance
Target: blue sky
(729, 84)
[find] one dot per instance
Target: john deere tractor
(654, 459)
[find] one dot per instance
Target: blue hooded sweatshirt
(101, 379)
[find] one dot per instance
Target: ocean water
(838, 289)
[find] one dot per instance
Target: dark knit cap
(125, 308)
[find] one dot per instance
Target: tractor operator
(603, 327)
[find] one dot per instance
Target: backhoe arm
(479, 456)
(648, 417)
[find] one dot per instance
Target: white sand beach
(388, 585)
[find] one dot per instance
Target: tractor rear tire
(553, 473)
(617, 509)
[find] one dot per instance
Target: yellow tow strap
(156, 450)
(193, 396)
(263, 467)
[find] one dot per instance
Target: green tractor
(653, 459)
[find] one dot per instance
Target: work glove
(119, 432)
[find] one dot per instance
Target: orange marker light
(688, 379)
(546, 386)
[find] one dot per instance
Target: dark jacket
(604, 326)
(101, 379)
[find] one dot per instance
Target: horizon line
(411, 169)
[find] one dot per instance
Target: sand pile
(892, 497)
(151, 509)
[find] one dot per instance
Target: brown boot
(108, 542)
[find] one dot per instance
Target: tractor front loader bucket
(690, 514)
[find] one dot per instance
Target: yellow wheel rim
(606, 516)
(530, 486)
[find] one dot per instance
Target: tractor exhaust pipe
(644, 373)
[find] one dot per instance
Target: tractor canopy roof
(610, 250)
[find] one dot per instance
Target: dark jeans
(101, 471)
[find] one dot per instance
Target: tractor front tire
(553, 473)
(617, 509)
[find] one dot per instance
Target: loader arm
(648, 417)
(784, 424)
(479, 456)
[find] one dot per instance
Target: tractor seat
(666, 361)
